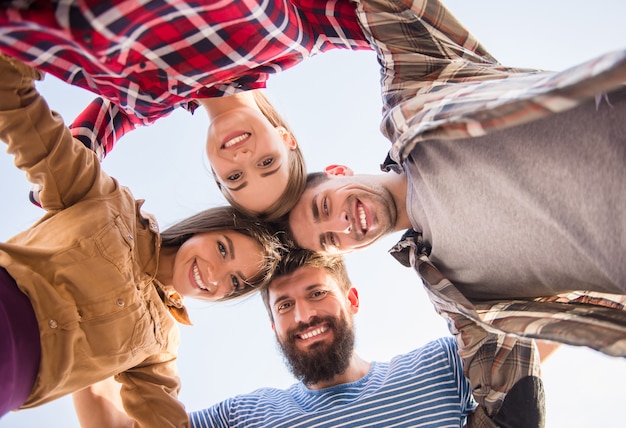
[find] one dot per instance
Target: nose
(304, 312)
(340, 224)
(243, 152)
(212, 276)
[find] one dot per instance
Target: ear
(338, 170)
(288, 139)
(353, 298)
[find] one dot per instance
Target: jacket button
(119, 303)
(52, 324)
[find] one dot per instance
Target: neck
(397, 186)
(355, 371)
(218, 105)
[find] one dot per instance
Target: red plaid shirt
(151, 57)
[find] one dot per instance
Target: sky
(332, 102)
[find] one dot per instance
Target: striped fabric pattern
(423, 388)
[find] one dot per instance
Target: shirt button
(53, 324)
(142, 65)
(87, 38)
(130, 236)
(120, 303)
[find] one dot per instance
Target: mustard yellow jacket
(88, 266)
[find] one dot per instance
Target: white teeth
(197, 277)
(236, 140)
(362, 217)
(314, 333)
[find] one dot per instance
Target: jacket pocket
(116, 244)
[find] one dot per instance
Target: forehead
(299, 281)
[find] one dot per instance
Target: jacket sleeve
(504, 373)
(150, 394)
(100, 125)
(41, 143)
(503, 370)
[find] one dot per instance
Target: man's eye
(325, 206)
(266, 162)
(333, 239)
(283, 307)
(234, 177)
(318, 294)
(221, 248)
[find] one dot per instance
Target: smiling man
(510, 183)
(311, 304)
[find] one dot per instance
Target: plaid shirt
(153, 56)
(439, 82)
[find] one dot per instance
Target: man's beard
(320, 362)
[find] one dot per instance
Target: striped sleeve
(468, 404)
(215, 416)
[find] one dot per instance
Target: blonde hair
(297, 169)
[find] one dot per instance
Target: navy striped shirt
(424, 388)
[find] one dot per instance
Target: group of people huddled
(505, 185)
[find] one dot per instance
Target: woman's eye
(221, 248)
(325, 206)
(236, 283)
(234, 177)
(266, 162)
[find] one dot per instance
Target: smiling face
(342, 213)
(249, 157)
(312, 319)
(212, 265)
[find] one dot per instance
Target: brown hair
(295, 259)
(228, 218)
(297, 169)
(282, 223)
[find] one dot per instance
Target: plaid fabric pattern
(495, 337)
(439, 82)
(153, 56)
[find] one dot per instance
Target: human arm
(149, 393)
(41, 143)
(100, 125)
(216, 416)
(503, 370)
(100, 405)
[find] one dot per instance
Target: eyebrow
(316, 211)
(245, 183)
(231, 251)
(323, 241)
(241, 186)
